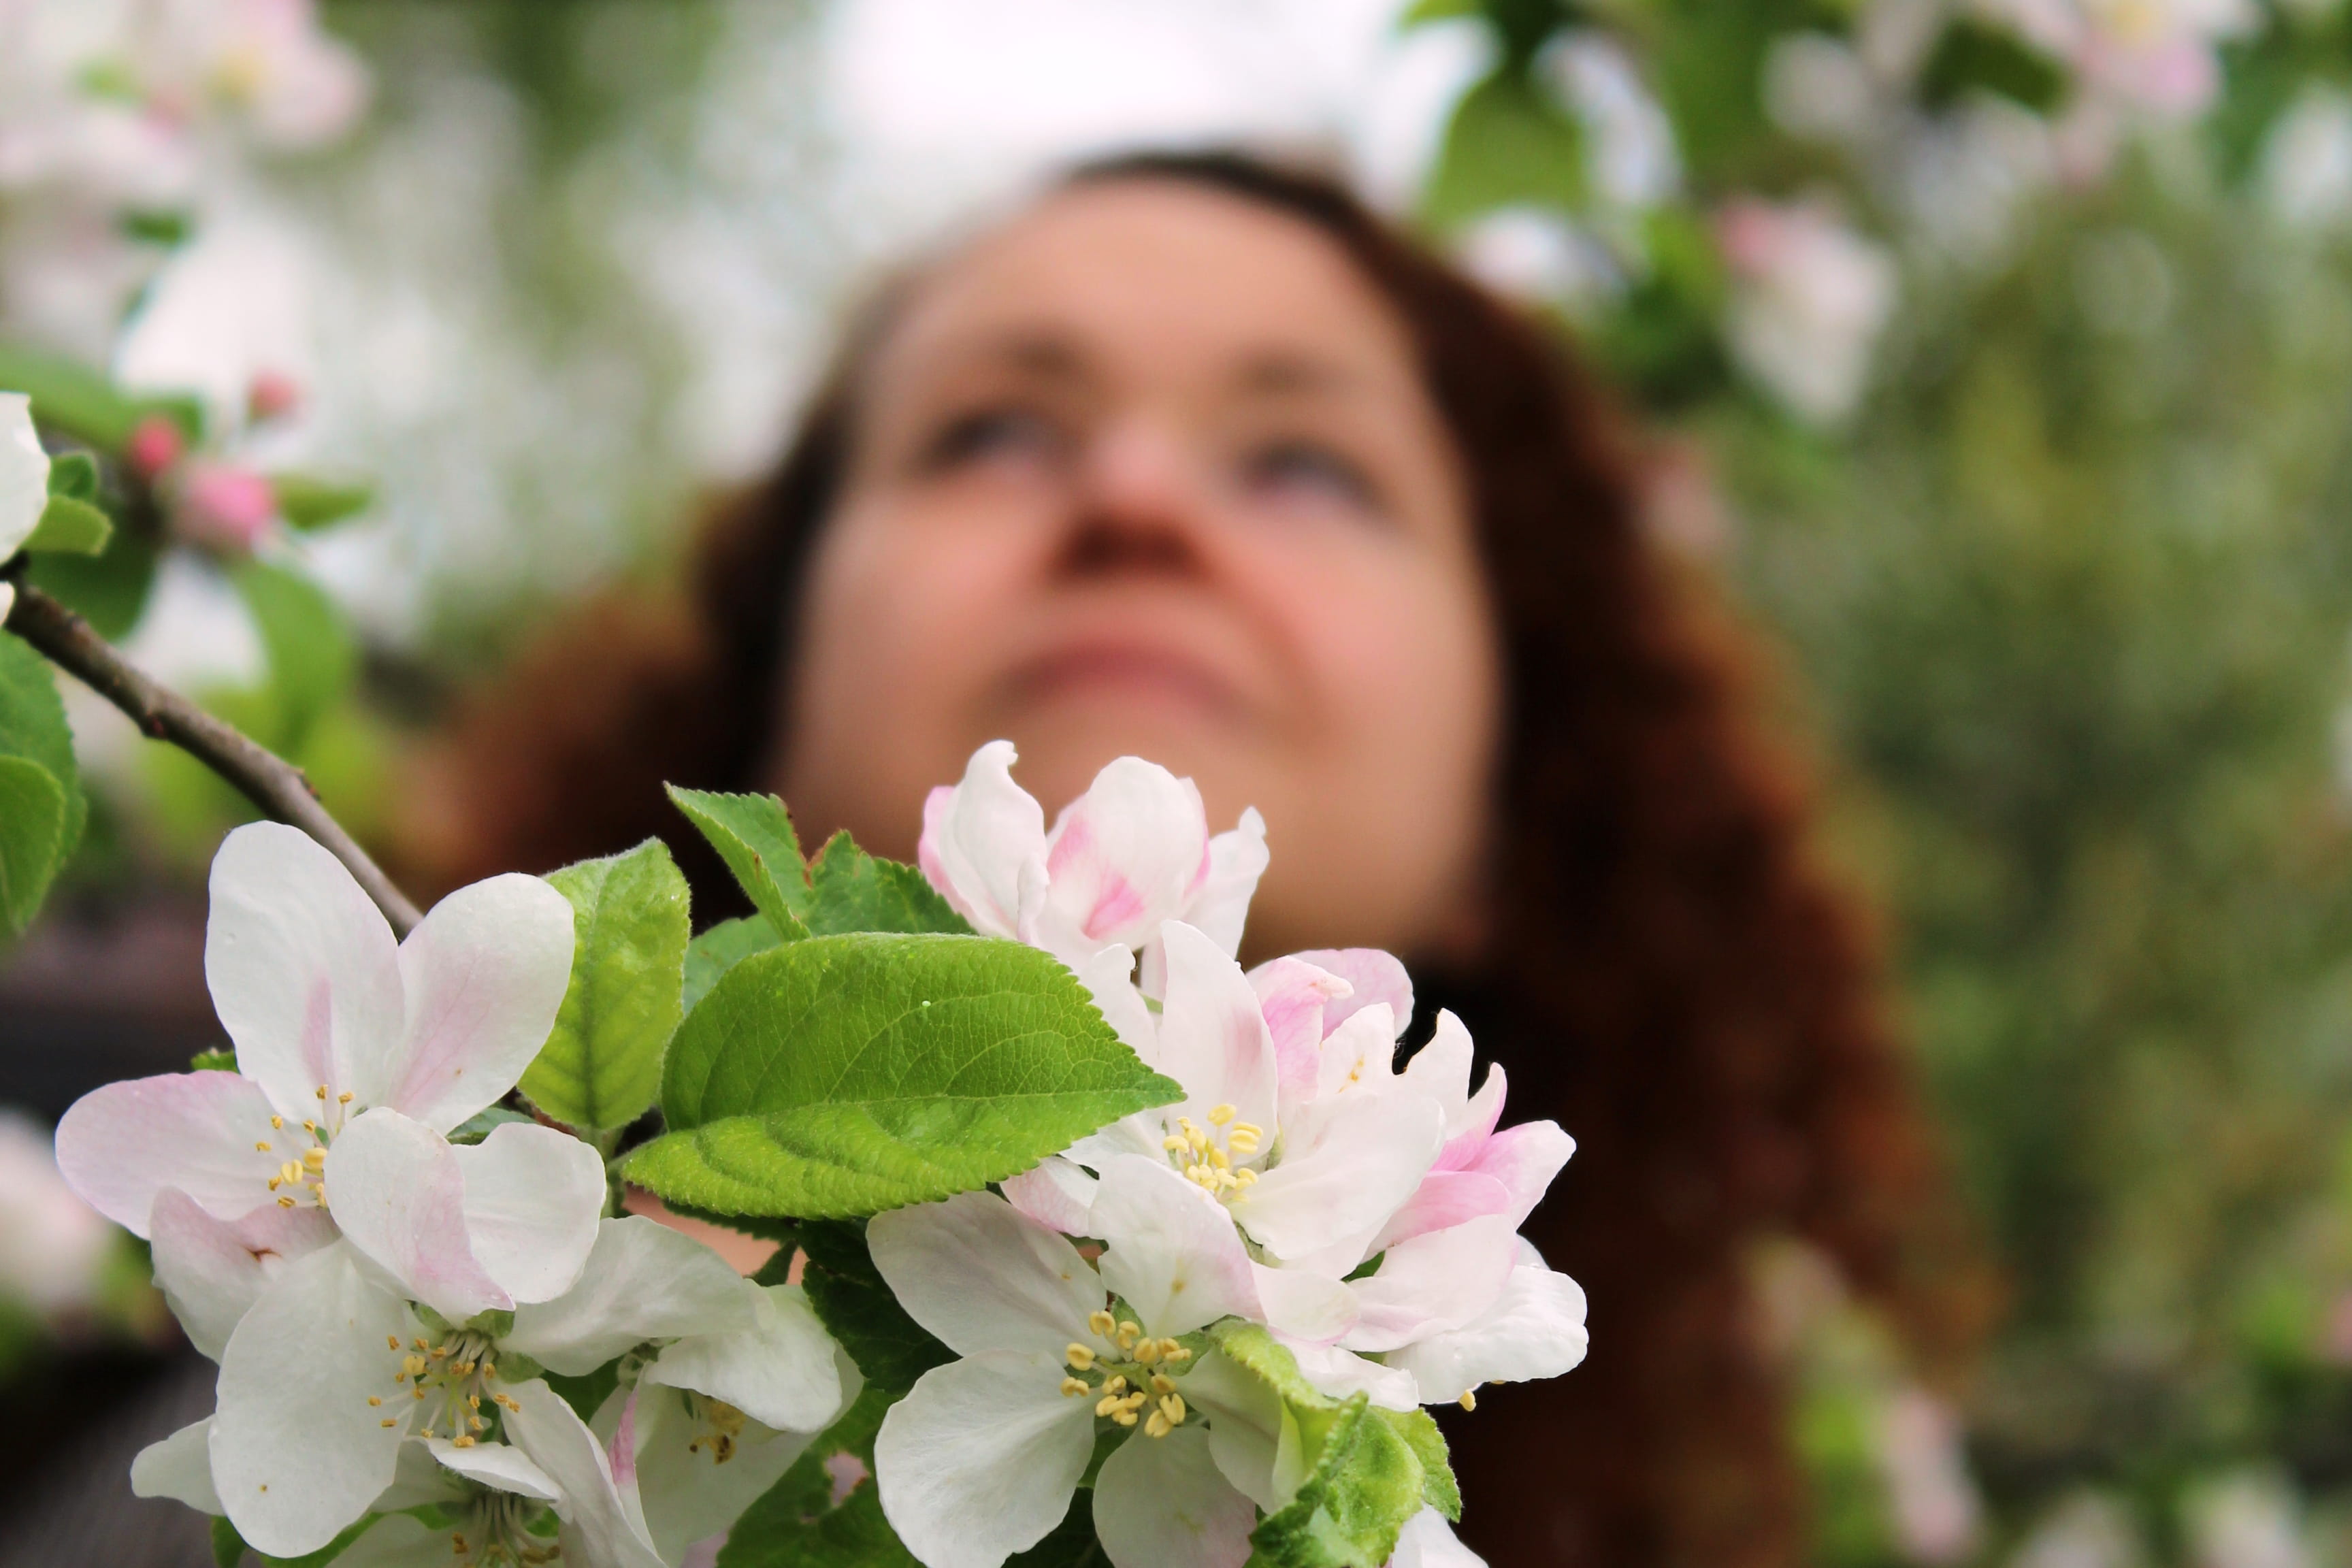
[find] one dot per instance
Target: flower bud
(273, 394)
(223, 508)
(156, 445)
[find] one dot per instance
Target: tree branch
(271, 783)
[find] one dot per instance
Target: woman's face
(1149, 470)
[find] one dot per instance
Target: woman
(1195, 458)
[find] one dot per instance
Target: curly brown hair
(1669, 976)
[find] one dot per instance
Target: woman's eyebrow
(1284, 372)
(1048, 355)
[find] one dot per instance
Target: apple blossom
(23, 483)
(53, 1247)
(1427, 1541)
(982, 1458)
(223, 507)
(1810, 297)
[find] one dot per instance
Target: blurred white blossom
(1630, 154)
(2086, 1530)
(1810, 297)
(1538, 255)
(53, 1247)
(2246, 1521)
(2307, 170)
(1930, 1495)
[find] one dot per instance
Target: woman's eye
(990, 433)
(1305, 468)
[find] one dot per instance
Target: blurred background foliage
(1998, 355)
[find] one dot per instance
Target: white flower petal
(1374, 978)
(212, 1270)
(1359, 1054)
(1125, 855)
(1348, 1162)
(980, 1458)
(1212, 1037)
(1162, 1503)
(983, 840)
(500, 1464)
(533, 1198)
(1427, 1541)
(1441, 1069)
(780, 1372)
(23, 474)
(1304, 1304)
(1343, 1375)
(482, 975)
(982, 1275)
(598, 1506)
(1056, 1193)
(303, 970)
(1237, 860)
(643, 1282)
(1434, 1283)
(1170, 1250)
(1535, 1330)
(179, 1468)
(690, 1491)
(298, 1452)
(398, 1192)
(1109, 975)
(206, 1133)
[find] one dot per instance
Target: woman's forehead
(1151, 276)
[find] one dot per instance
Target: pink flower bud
(223, 508)
(156, 445)
(273, 395)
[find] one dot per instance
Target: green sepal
(220, 1061)
(753, 835)
(495, 1323)
(307, 502)
(69, 527)
(721, 949)
(1365, 1481)
(74, 475)
(840, 1076)
(484, 1122)
(602, 1065)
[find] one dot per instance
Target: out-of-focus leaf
(32, 727)
(73, 474)
(1509, 145)
(307, 502)
(313, 659)
(32, 824)
(70, 397)
(109, 591)
(1973, 58)
(70, 527)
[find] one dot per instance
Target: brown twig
(271, 782)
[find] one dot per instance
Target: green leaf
(798, 1523)
(1259, 1353)
(307, 502)
(74, 474)
(32, 827)
(70, 527)
(754, 834)
(69, 397)
(1419, 1429)
(891, 1349)
(839, 1075)
(1069, 1544)
(1972, 57)
(108, 590)
(217, 1061)
(1425, 11)
(1509, 145)
(313, 660)
(721, 949)
(229, 1546)
(479, 1125)
(851, 890)
(1365, 1482)
(33, 726)
(602, 1065)
(587, 1392)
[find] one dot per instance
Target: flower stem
(271, 783)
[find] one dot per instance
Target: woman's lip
(1126, 670)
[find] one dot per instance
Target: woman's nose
(1141, 500)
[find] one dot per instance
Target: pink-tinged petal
(1525, 1159)
(298, 1451)
(1374, 977)
(1236, 860)
(1162, 1503)
(1169, 1252)
(1127, 855)
(533, 1198)
(1348, 1163)
(483, 975)
(212, 1270)
(982, 1275)
(204, 1133)
(1427, 1541)
(397, 1191)
(1443, 1200)
(179, 1468)
(985, 843)
(1292, 996)
(1359, 1055)
(500, 1466)
(1298, 1303)
(1213, 1038)
(1534, 1330)
(303, 970)
(643, 1282)
(1434, 1283)
(780, 1372)
(981, 1457)
(1056, 1193)
(603, 1521)
(1343, 1374)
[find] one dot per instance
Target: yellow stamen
(376, 1399)
(1108, 1405)
(1177, 1352)
(1162, 1384)
(1221, 1115)
(1171, 1405)
(1244, 1178)
(1125, 1418)
(1469, 1399)
(1221, 1159)
(1156, 1426)
(466, 1442)
(1115, 1385)
(261, 1147)
(1078, 1357)
(392, 1341)
(286, 1203)
(323, 1091)
(1172, 1143)
(1072, 1388)
(1147, 1351)
(344, 1097)
(315, 1158)
(277, 1123)
(1102, 1323)
(489, 1370)
(1128, 1334)
(388, 1421)
(420, 1344)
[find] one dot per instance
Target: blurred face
(1149, 470)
